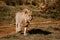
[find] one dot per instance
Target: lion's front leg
(25, 31)
(18, 27)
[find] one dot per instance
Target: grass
(8, 16)
(53, 36)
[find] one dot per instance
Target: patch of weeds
(7, 37)
(50, 28)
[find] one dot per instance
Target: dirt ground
(44, 26)
(37, 30)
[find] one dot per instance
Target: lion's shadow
(39, 31)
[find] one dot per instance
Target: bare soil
(37, 30)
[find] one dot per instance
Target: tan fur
(22, 19)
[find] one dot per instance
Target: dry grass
(36, 30)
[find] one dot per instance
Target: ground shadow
(39, 31)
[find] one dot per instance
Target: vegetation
(42, 10)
